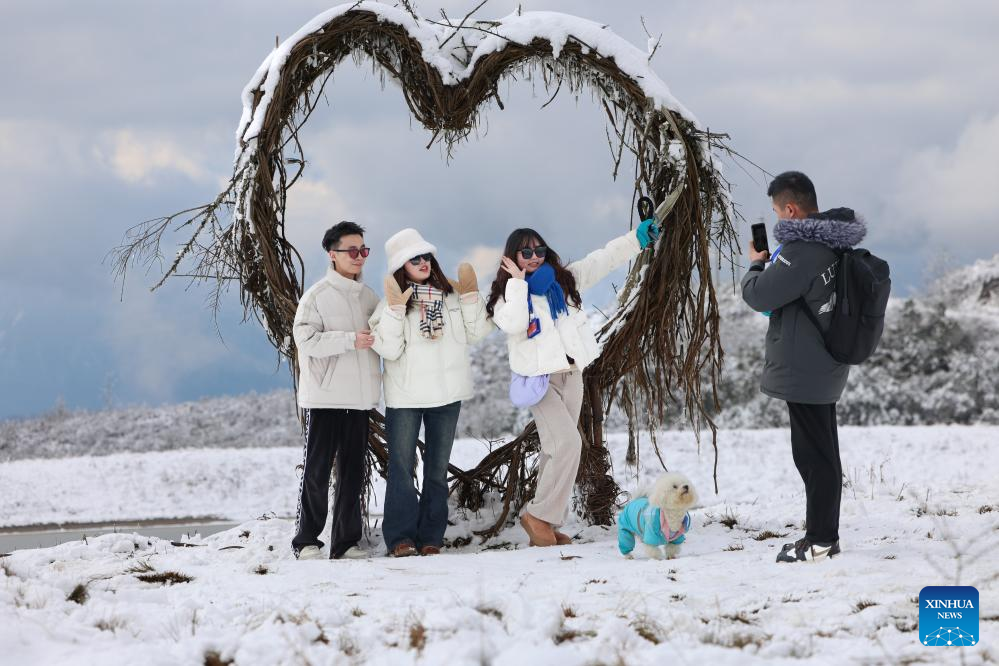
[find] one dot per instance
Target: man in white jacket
(339, 382)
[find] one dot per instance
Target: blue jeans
(418, 520)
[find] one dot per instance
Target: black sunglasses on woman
(529, 252)
(421, 257)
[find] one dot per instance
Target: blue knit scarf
(543, 282)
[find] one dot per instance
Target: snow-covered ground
(921, 508)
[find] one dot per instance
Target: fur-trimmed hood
(838, 228)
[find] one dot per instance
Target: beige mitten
(394, 295)
(467, 281)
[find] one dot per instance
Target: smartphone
(760, 237)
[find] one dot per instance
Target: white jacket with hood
(569, 335)
(332, 374)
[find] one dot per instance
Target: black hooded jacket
(797, 367)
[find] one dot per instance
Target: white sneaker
(310, 553)
(355, 553)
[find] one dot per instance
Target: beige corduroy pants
(557, 418)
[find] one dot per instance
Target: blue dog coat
(639, 518)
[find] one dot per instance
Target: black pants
(340, 434)
(815, 447)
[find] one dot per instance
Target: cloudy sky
(116, 112)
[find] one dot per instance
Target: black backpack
(863, 284)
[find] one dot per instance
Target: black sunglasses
(529, 252)
(421, 257)
(364, 251)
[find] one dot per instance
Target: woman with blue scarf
(536, 301)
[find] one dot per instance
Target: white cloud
(612, 209)
(832, 95)
(136, 157)
(717, 29)
(953, 191)
(156, 348)
(29, 148)
(314, 206)
(485, 260)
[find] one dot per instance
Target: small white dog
(657, 517)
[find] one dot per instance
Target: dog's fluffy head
(673, 491)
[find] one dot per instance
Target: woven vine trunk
(660, 345)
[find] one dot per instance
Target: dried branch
(461, 24)
(648, 34)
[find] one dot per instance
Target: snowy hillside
(237, 597)
(972, 287)
(251, 420)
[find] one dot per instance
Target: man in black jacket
(797, 367)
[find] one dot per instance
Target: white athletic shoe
(804, 550)
(355, 553)
(309, 553)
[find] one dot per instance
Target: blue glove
(647, 232)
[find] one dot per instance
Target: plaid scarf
(431, 303)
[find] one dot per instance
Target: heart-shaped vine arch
(660, 345)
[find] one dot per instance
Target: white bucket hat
(405, 245)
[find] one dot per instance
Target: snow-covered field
(921, 508)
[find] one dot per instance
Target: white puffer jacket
(568, 336)
(332, 374)
(429, 373)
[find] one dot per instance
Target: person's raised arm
(510, 313)
(595, 266)
(388, 323)
(767, 289)
(473, 306)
